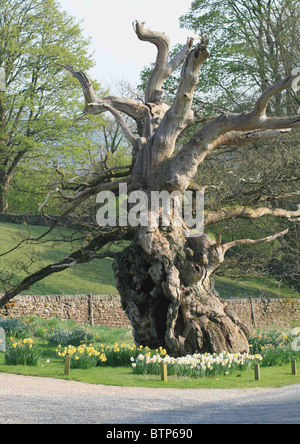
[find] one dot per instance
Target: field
(97, 276)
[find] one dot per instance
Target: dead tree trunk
(167, 290)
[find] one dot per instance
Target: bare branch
(279, 122)
(157, 78)
(135, 110)
(220, 236)
(180, 115)
(231, 129)
(82, 196)
(125, 129)
(237, 243)
(241, 212)
(239, 138)
(264, 100)
(180, 111)
(178, 59)
(278, 197)
(96, 105)
(87, 87)
(77, 200)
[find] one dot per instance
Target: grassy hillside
(97, 276)
(258, 287)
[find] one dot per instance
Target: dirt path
(31, 400)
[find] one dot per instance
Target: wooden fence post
(68, 365)
(294, 367)
(257, 372)
(164, 372)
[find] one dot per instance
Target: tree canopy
(41, 110)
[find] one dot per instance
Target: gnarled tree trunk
(167, 290)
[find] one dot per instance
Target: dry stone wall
(265, 313)
(107, 310)
(84, 309)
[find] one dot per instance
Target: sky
(118, 53)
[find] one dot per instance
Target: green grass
(121, 376)
(103, 334)
(267, 287)
(97, 276)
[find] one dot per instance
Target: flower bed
(112, 356)
(269, 348)
(276, 347)
(83, 357)
(146, 361)
(196, 366)
(22, 352)
(123, 354)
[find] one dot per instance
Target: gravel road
(31, 400)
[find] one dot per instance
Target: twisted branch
(241, 212)
(157, 78)
(230, 128)
(268, 239)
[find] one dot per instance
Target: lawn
(97, 276)
(51, 365)
(245, 288)
(123, 376)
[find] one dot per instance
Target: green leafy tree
(41, 109)
(254, 43)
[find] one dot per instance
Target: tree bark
(167, 290)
